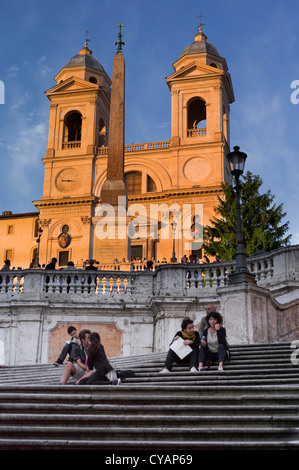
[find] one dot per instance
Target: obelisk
(114, 185)
(111, 239)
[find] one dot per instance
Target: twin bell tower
(89, 170)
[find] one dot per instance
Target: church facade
(172, 187)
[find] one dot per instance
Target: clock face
(68, 180)
(196, 169)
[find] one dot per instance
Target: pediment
(72, 84)
(194, 69)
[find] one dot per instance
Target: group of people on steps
(208, 344)
(89, 365)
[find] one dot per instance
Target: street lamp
(173, 258)
(36, 261)
(236, 161)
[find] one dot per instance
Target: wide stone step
(204, 399)
(152, 391)
(199, 421)
(148, 432)
(148, 445)
(223, 409)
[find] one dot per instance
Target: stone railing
(12, 282)
(139, 147)
(196, 132)
(217, 274)
(277, 271)
(76, 144)
(98, 283)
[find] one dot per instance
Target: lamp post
(241, 274)
(173, 258)
(36, 263)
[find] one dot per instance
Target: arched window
(34, 254)
(225, 123)
(36, 227)
(102, 134)
(196, 117)
(134, 182)
(72, 129)
(151, 185)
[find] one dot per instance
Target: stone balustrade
(196, 132)
(75, 144)
(139, 147)
(276, 270)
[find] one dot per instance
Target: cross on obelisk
(119, 43)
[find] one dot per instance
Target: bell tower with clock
(78, 126)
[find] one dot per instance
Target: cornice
(176, 194)
(68, 201)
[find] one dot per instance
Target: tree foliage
(261, 221)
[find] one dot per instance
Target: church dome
(200, 45)
(85, 59)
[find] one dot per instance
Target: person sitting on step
(214, 346)
(77, 368)
(100, 371)
(190, 338)
(67, 349)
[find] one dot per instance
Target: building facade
(185, 172)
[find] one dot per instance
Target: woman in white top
(214, 346)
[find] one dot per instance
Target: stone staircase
(253, 404)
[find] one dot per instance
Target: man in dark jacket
(78, 368)
(52, 264)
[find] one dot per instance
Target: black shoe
(59, 362)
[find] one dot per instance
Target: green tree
(261, 221)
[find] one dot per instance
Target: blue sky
(259, 40)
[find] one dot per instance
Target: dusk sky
(259, 39)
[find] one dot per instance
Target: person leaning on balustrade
(6, 265)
